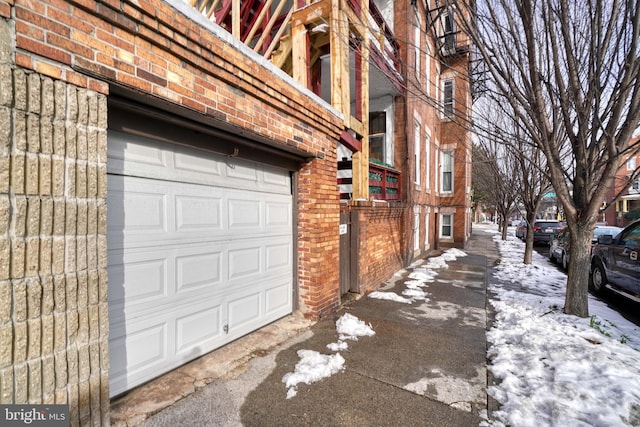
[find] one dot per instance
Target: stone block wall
(53, 285)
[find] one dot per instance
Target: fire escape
(334, 48)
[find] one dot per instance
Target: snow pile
(419, 278)
(554, 369)
(314, 366)
(311, 368)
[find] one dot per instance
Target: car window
(631, 237)
(544, 224)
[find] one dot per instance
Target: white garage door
(199, 253)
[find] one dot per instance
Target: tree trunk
(577, 296)
(528, 247)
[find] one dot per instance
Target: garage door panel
(278, 298)
(198, 213)
(136, 278)
(245, 214)
(244, 309)
(278, 214)
(197, 271)
(194, 243)
(244, 262)
(199, 164)
(198, 328)
(278, 257)
(127, 208)
(137, 349)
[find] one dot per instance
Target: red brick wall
(381, 246)
(149, 47)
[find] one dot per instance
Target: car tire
(598, 278)
(551, 257)
(565, 261)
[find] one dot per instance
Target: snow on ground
(553, 369)
(314, 366)
(419, 278)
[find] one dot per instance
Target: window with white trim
(447, 98)
(631, 163)
(417, 36)
(446, 175)
(426, 228)
(416, 152)
(427, 157)
(416, 228)
(446, 225)
(427, 68)
(377, 134)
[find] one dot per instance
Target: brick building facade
(111, 110)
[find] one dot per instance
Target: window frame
(444, 154)
(448, 99)
(449, 225)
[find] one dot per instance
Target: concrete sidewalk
(425, 366)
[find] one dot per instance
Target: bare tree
(496, 169)
(494, 121)
(569, 69)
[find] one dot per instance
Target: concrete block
(35, 381)
(19, 300)
(5, 253)
(60, 361)
(6, 345)
(34, 96)
(18, 252)
(20, 342)
(48, 334)
(48, 101)
(34, 340)
(46, 135)
(59, 138)
(21, 381)
(6, 84)
(32, 178)
(60, 332)
(58, 255)
(60, 100)
(5, 300)
(20, 89)
(33, 133)
(57, 177)
(48, 300)
(32, 256)
(33, 217)
(6, 385)
(34, 298)
(59, 294)
(48, 379)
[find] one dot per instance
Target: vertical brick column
(53, 288)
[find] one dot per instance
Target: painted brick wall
(53, 283)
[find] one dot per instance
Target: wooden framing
(348, 36)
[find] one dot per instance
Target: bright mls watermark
(34, 415)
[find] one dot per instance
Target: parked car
(545, 230)
(615, 263)
(521, 230)
(560, 249)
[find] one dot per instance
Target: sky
(551, 369)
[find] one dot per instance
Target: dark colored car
(615, 263)
(521, 230)
(559, 247)
(545, 230)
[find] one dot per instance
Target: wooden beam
(235, 19)
(300, 54)
(350, 141)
